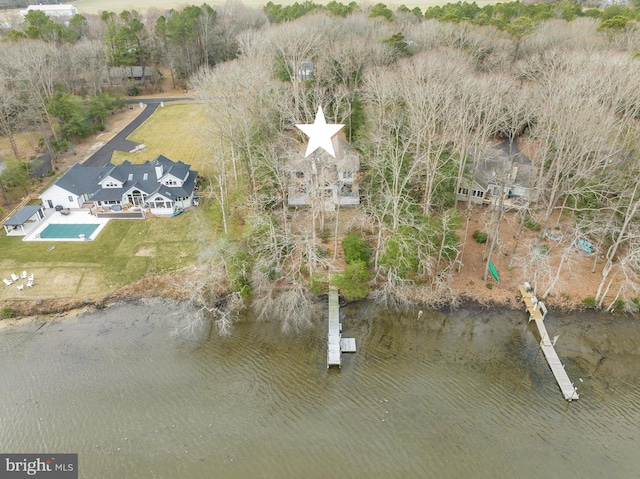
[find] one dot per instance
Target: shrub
(532, 223)
(133, 90)
(480, 236)
(325, 235)
(7, 312)
(318, 284)
(355, 249)
(489, 285)
(352, 283)
(589, 302)
(239, 272)
(542, 248)
(59, 145)
(619, 303)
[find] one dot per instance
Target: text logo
(44, 466)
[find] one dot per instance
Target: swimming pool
(67, 231)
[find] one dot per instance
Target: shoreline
(51, 309)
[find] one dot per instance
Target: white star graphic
(320, 134)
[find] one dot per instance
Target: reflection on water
(465, 394)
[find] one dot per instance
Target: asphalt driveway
(42, 166)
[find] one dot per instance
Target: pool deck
(74, 217)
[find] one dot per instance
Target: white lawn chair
(30, 283)
(7, 282)
(24, 275)
(20, 287)
(14, 277)
(30, 278)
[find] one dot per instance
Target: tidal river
(438, 395)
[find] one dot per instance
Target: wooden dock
(537, 312)
(336, 344)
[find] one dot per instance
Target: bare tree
(88, 63)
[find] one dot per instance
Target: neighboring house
(161, 185)
(332, 181)
(57, 11)
(116, 76)
(304, 70)
(498, 173)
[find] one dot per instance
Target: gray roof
(132, 72)
(346, 159)
(498, 165)
(81, 179)
(23, 215)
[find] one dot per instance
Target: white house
(161, 185)
(58, 11)
(320, 177)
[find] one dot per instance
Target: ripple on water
(448, 395)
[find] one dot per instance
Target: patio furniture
(7, 282)
(20, 287)
(30, 283)
(30, 278)
(24, 275)
(14, 277)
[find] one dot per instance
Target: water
(466, 394)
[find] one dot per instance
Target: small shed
(15, 224)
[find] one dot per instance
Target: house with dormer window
(162, 186)
(321, 177)
(500, 171)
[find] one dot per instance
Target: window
(300, 174)
(346, 175)
(145, 177)
(70, 199)
(463, 191)
(111, 184)
(347, 191)
(170, 182)
(130, 176)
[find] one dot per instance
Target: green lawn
(124, 252)
(176, 131)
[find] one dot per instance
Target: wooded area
(422, 96)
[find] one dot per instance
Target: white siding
(59, 196)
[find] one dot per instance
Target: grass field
(175, 131)
(124, 252)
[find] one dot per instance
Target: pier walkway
(537, 312)
(336, 344)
